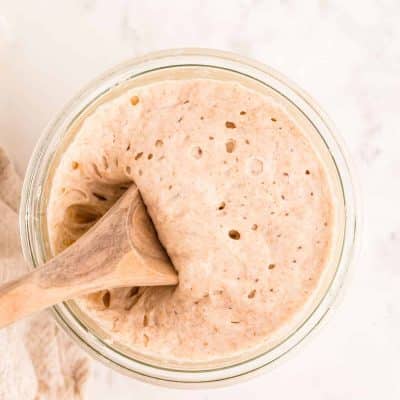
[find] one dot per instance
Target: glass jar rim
(42, 157)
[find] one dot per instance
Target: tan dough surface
(238, 196)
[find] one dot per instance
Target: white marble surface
(346, 54)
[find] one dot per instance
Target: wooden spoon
(121, 249)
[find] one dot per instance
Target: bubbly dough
(239, 198)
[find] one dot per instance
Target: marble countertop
(346, 54)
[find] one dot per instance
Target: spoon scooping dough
(121, 249)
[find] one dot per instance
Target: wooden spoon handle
(26, 295)
(52, 283)
(122, 249)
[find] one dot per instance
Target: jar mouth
(32, 212)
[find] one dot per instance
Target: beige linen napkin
(37, 360)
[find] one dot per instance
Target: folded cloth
(37, 360)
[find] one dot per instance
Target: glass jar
(181, 64)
